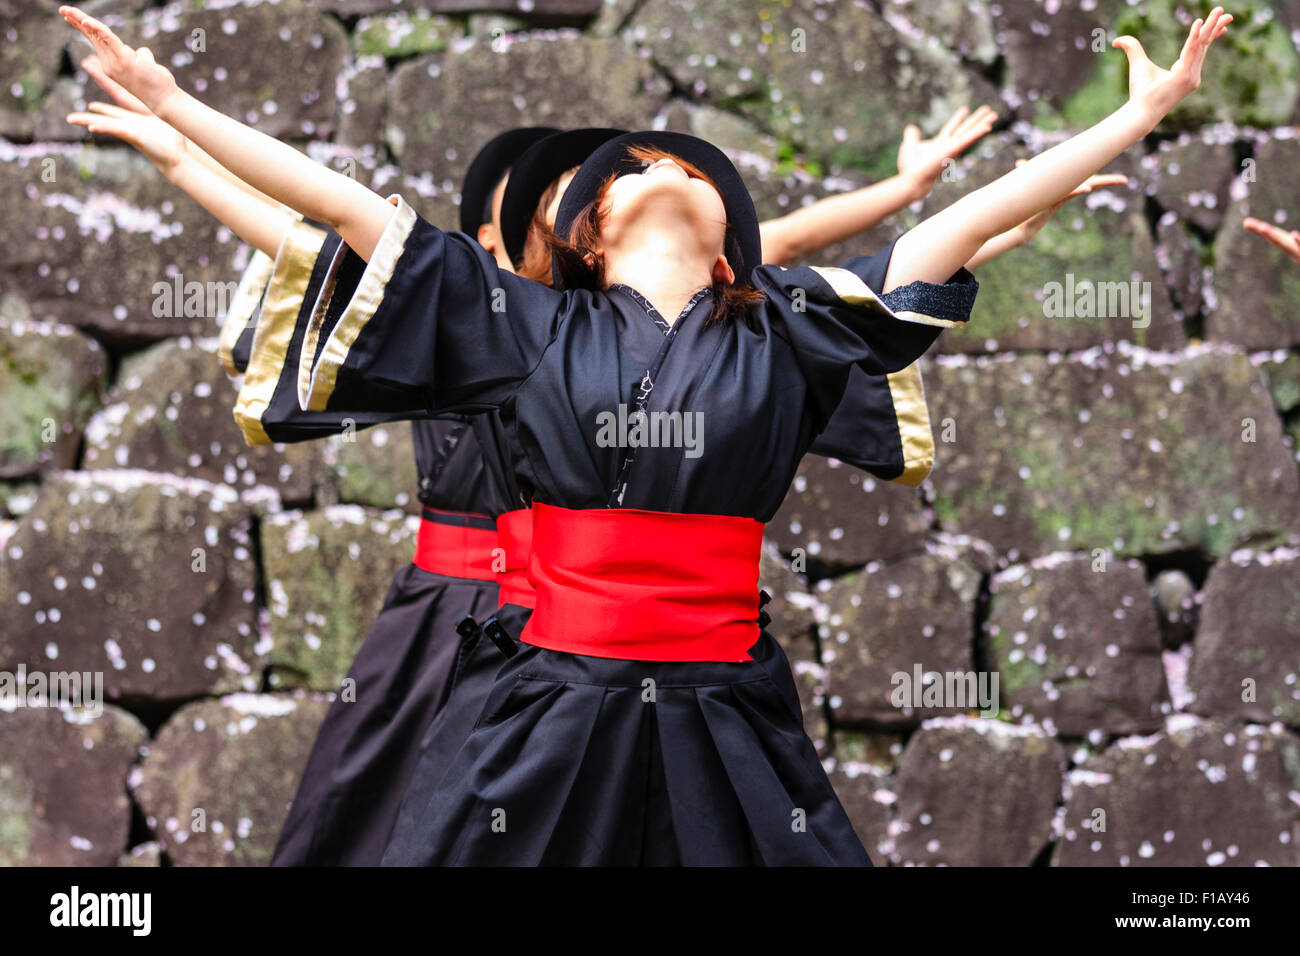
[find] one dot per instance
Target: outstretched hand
(1288, 242)
(130, 121)
(1157, 90)
(123, 99)
(247, 169)
(923, 159)
(135, 71)
(160, 144)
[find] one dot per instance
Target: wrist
(165, 106)
(1147, 115)
(915, 185)
(176, 168)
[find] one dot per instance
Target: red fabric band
(644, 585)
(515, 534)
(456, 544)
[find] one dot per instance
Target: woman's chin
(666, 210)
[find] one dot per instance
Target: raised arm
(358, 214)
(1025, 232)
(946, 241)
(132, 104)
(260, 223)
(807, 231)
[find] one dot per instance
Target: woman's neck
(656, 268)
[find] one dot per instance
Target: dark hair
(570, 254)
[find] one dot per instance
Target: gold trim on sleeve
(251, 286)
(852, 290)
(908, 394)
(294, 264)
(316, 379)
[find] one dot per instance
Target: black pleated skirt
(588, 761)
(360, 765)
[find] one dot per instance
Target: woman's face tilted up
(668, 208)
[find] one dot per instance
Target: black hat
(744, 249)
(535, 170)
(492, 162)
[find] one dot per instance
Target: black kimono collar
(652, 312)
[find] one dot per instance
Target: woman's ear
(722, 271)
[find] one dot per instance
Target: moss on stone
(400, 35)
(15, 817)
(1250, 77)
(1013, 675)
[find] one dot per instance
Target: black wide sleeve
(262, 337)
(834, 321)
(882, 422)
(430, 323)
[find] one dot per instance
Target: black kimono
(564, 746)
(357, 772)
(412, 659)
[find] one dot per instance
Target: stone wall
(1111, 526)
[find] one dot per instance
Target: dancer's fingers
(1266, 229)
(99, 124)
(104, 40)
(109, 109)
(1194, 48)
(1289, 242)
(1102, 182)
(954, 121)
(990, 117)
(1220, 26)
(1214, 22)
(1132, 49)
(114, 89)
(968, 138)
(981, 120)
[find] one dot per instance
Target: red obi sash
(515, 534)
(644, 585)
(456, 544)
